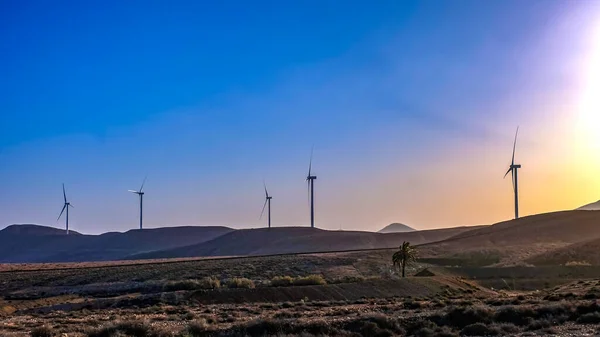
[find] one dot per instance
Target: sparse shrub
(577, 263)
(445, 332)
(420, 328)
(318, 328)
(264, 327)
(240, 282)
(410, 304)
(209, 283)
(309, 280)
(287, 305)
(424, 332)
(589, 318)
(559, 312)
(198, 328)
(587, 308)
(539, 325)
(282, 281)
(192, 284)
(189, 316)
(181, 285)
(284, 314)
(42, 331)
(516, 315)
(460, 317)
(509, 328)
(348, 279)
(375, 325)
(480, 329)
(129, 328)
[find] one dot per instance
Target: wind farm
(404, 111)
(330, 265)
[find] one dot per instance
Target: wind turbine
(141, 194)
(267, 201)
(311, 190)
(66, 206)
(514, 169)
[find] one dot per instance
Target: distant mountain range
(595, 206)
(282, 240)
(551, 238)
(397, 228)
(34, 243)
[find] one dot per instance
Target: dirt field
(335, 294)
(570, 310)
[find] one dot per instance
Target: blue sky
(210, 99)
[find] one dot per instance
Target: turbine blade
(71, 206)
(143, 182)
(263, 210)
(61, 212)
(310, 163)
(132, 191)
(266, 193)
(64, 193)
(507, 172)
(515, 146)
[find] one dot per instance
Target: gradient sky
(411, 107)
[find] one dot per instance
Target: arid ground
(329, 294)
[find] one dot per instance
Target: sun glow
(589, 107)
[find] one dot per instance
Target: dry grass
(469, 316)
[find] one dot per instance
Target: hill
(582, 253)
(396, 228)
(283, 240)
(595, 206)
(35, 230)
(33, 243)
(515, 240)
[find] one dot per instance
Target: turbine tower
(65, 206)
(141, 194)
(267, 202)
(514, 169)
(311, 191)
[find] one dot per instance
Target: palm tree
(404, 256)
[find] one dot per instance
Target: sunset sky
(411, 107)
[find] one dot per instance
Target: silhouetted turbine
(141, 194)
(65, 206)
(514, 169)
(267, 202)
(311, 190)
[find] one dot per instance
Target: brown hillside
(519, 239)
(284, 240)
(581, 253)
(31, 243)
